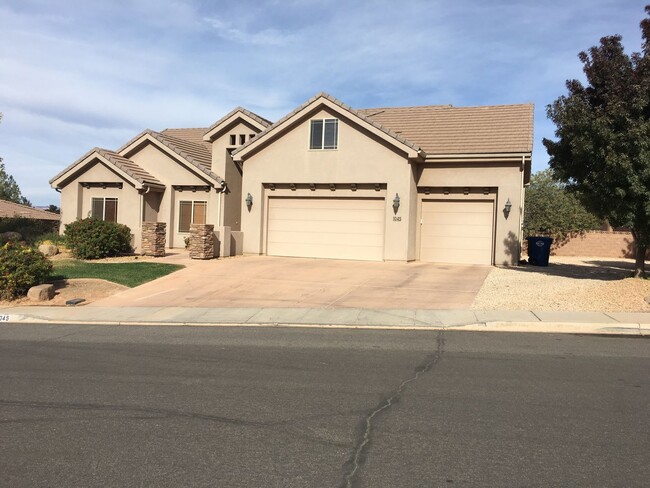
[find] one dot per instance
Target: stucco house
(431, 183)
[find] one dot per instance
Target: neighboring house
(433, 183)
(12, 210)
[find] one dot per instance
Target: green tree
(603, 137)
(553, 211)
(8, 187)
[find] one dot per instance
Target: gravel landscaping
(567, 284)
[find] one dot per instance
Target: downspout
(523, 203)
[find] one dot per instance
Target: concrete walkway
(521, 321)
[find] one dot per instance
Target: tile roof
(198, 155)
(340, 104)
(254, 116)
(11, 209)
(129, 167)
(194, 135)
(124, 164)
(443, 129)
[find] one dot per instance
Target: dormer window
(324, 134)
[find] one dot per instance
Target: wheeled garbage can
(539, 250)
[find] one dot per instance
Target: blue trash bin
(539, 250)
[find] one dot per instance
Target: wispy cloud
(79, 74)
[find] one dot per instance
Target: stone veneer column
(153, 239)
(201, 241)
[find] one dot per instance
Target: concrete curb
(623, 329)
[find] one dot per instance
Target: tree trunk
(639, 265)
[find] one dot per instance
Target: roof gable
(325, 100)
(239, 113)
(124, 167)
(194, 156)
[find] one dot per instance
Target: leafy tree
(54, 209)
(8, 187)
(553, 211)
(603, 137)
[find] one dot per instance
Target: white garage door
(457, 231)
(340, 228)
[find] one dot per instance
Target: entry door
(457, 231)
(339, 228)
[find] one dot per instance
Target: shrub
(21, 267)
(51, 238)
(94, 239)
(29, 229)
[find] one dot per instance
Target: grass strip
(128, 274)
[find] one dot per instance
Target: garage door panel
(457, 231)
(466, 231)
(339, 228)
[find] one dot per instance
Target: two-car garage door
(339, 228)
(457, 231)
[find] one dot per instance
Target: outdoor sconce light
(507, 207)
(249, 201)
(396, 202)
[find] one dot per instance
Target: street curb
(619, 329)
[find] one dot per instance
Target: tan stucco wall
(76, 200)
(506, 178)
(223, 165)
(360, 158)
(171, 172)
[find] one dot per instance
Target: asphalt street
(280, 407)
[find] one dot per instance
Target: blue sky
(79, 74)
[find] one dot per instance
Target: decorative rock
(41, 293)
(201, 241)
(48, 249)
(153, 238)
(10, 236)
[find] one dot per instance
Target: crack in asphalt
(356, 460)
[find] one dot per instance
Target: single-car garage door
(457, 231)
(340, 228)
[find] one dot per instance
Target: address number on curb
(4, 318)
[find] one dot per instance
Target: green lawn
(128, 274)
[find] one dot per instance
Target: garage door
(340, 228)
(457, 231)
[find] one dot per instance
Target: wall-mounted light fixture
(249, 201)
(507, 207)
(396, 203)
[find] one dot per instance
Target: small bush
(29, 229)
(21, 267)
(53, 238)
(94, 239)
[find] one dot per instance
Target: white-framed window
(191, 212)
(324, 134)
(104, 208)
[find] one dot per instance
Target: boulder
(41, 293)
(10, 236)
(48, 249)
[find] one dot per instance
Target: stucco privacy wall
(171, 172)
(505, 180)
(360, 158)
(76, 201)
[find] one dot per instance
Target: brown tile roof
(198, 155)
(129, 167)
(11, 209)
(337, 102)
(126, 165)
(194, 135)
(254, 116)
(443, 129)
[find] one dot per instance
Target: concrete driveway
(263, 281)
